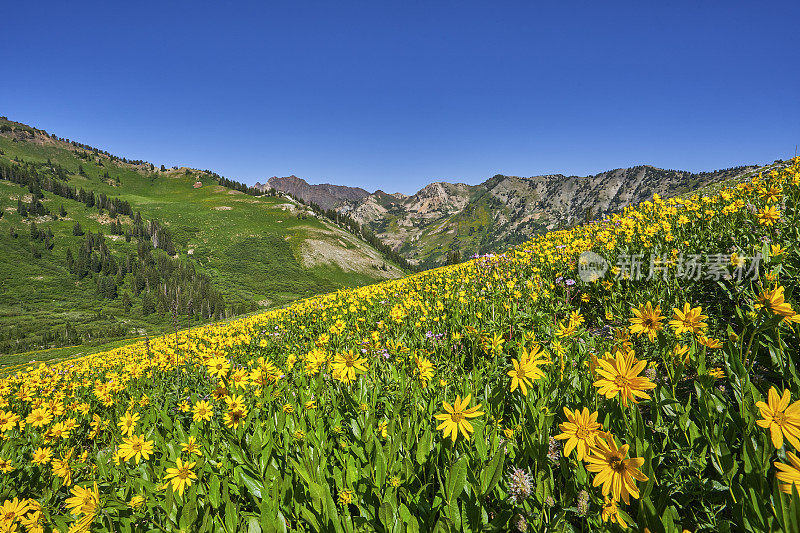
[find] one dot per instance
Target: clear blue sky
(394, 95)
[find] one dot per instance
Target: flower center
(582, 433)
(457, 417)
(521, 373)
(621, 381)
(779, 418)
(617, 465)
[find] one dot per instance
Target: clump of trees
(161, 282)
(46, 237)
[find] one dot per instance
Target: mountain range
(454, 220)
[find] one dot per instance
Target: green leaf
(412, 525)
(317, 493)
(380, 467)
(647, 513)
(231, 515)
(302, 471)
(213, 490)
(778, 506)
(472, 514)
(456, 480)
(255, 486)
(281, 523)
(189, 512)
(491, 474)
(480, 440)
(255, 442)
(166, 422)
(794, 508)
(453, 512)
(386, 515)
(424, 447)
(330, 508)
(648, 471)
(311, 518)
(253, 526)
(404, 512)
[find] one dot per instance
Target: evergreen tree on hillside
(107, 287)
(36, 208)
(49, 239)
(147, 304)
(126, 303)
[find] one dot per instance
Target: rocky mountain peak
(325, 195)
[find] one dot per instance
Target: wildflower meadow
(507, 393)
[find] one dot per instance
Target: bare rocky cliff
(324, 195)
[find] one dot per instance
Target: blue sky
(394, 95)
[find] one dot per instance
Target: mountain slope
(255, 251)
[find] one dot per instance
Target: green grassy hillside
(258, 251)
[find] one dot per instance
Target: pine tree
(147, 304)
